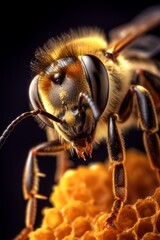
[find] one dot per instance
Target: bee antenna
(52, 117)
(92, 104)
(12, 125)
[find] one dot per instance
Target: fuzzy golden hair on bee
(73, 43)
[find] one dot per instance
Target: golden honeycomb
(83, 198)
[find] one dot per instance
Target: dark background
(25, 27)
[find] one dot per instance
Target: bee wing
(122, 36)
(144, 47)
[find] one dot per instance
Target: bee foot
(110, 223)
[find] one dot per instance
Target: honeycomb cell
(52, 218)
(101, 194)
(82, 193)
(70, 179)
(143, 226)
(62, 230)
(80, 226)
(90, 176)
(107, 234)
(59, 197)
(151, 236)
(127, 217)
(146, 207)
(93, 209)
(73, 210)
(42, 234)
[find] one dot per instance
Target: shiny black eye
(57, 78)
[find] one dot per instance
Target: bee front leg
(116, 155)
(31, 182)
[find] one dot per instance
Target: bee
(88, 88)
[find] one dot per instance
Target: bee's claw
(110, 223)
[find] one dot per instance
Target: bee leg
(152, 83)
(149, 124)
(31, 182)
(116, 155)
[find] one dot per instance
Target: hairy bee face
(67, 89)
(59, 90)
(61, 84)
(71, 87)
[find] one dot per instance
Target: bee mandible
(87, 89)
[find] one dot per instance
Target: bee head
(72, 90)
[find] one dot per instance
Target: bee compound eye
(36, 100)
(33, 93)
(97, 77)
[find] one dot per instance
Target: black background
(25, 27)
